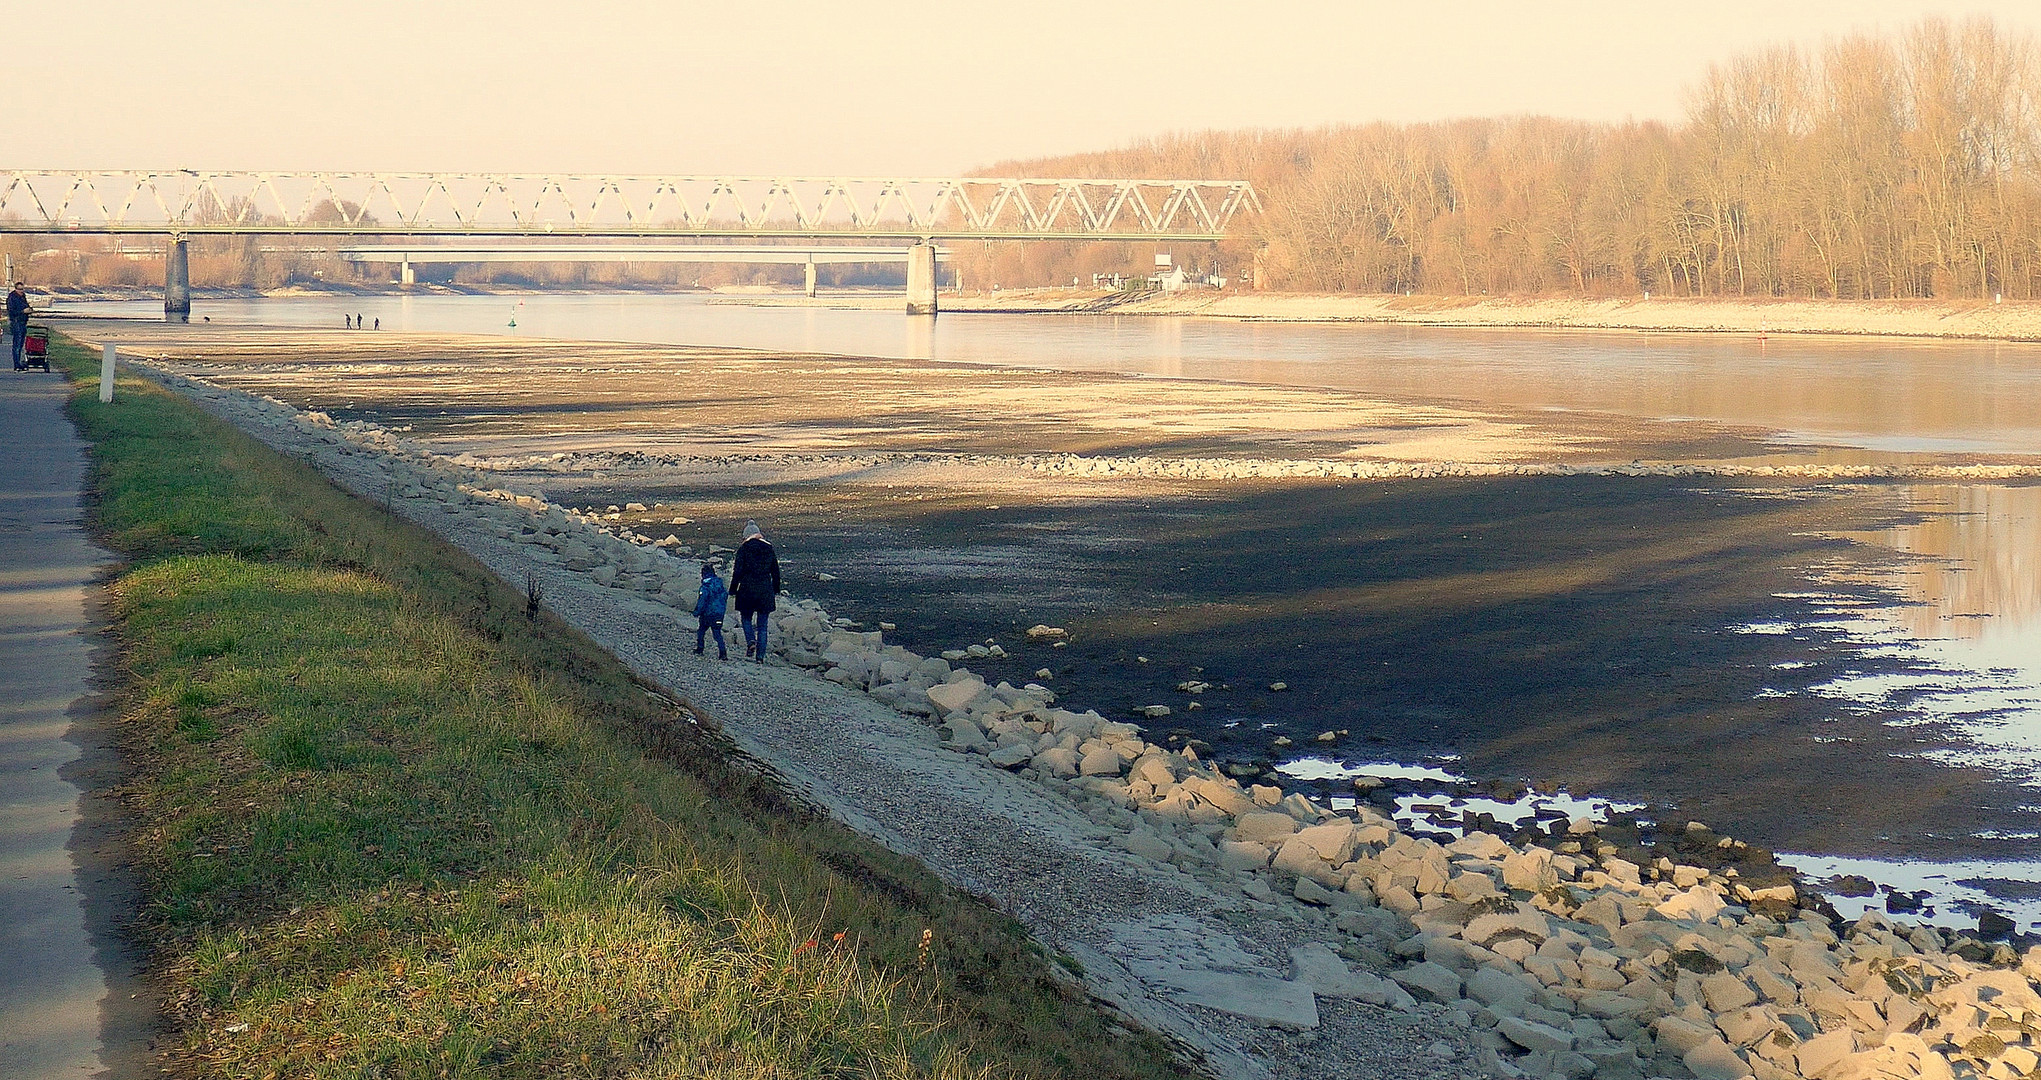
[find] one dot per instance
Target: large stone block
(1534, 1036)
(1530, 870)
(1816, 1055)
(1430, 981)
(1697, 903)
(1715, 1059)
(1263, 826)
(1099, 762)
(1727, 993)
(1057, 761)
(1333, 841)
(1277, 1003)
(1233, 801)
(1238, 855)
(1496, 925)
(957, 696)
(1318, 967)
(1680, 1036)
(1502, 992)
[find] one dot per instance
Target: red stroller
(35, 349)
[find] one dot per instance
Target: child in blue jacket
(710, 606)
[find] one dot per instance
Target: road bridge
(911, 213)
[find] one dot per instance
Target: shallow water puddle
(1446, 811)
(1956, 891)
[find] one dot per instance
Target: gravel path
(1015, 842)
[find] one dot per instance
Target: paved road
(66, 1001)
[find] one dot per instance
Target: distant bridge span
(598, 205)
(907, 211)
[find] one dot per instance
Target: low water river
(1849, 671)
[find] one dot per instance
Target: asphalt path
(70, 1005)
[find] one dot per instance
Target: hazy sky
(845, 87)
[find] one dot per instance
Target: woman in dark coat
(754, 581)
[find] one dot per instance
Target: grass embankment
(390, 827)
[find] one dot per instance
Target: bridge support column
(921, 279)
(408, 277)
(177, 281)
(811, 274)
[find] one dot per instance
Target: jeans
(17, 339)
(707, 626)
(754, 637)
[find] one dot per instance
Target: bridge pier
(407, 276)
(921, 279)
(811, 273)
(177, 281)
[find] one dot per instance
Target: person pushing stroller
(711, 605)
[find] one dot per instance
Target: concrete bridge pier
(921, 279)
(408, 276)
(177, 281)
(811, 273)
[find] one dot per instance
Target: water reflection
(1963, 645)
(1976, 572)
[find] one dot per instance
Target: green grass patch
(390, 827)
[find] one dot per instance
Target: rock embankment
(1573, 957)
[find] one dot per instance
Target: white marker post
(106, 374)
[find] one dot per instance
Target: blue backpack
(715, 599)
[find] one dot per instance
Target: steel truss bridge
(912, 213)
(189, 203)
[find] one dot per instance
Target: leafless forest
(1906, 165)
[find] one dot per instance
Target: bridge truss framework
(191, 203)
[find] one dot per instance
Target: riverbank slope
(390, 817)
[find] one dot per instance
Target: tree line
(1903, 165)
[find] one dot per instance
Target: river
(1888, 395)
(1929, 620)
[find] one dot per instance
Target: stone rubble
(1567, 963)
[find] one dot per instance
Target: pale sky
(844, 87)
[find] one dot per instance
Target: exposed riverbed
(1815, 663)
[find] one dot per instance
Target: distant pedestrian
(755, 581)
(711, 605)
(347, 321)
(17, 322)
(358, 324)
(379, 322)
